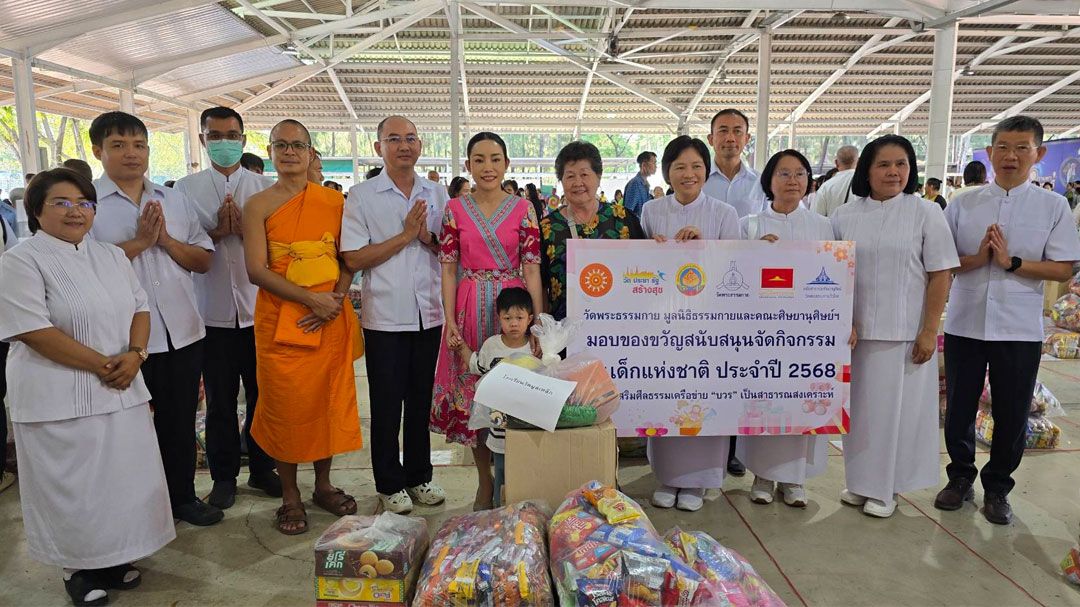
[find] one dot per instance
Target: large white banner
(718, 337)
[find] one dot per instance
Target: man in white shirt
(227, 303)
(389, 231)
(160, 233)
(837, 190)
(1011, 235)
(974, 177)
(730, 179)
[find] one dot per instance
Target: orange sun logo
(596, 280)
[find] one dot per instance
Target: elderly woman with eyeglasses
(93, 489)
(784, 460)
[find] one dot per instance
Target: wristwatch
(1016, 262)
(143, 354)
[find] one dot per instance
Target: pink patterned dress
(491, 253)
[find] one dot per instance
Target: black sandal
(81, 584)
(113, 577)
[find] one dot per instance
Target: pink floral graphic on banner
(650, 430)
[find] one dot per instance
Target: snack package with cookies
(605, 552)
(493, 558)
(731, 576)
(387, 546)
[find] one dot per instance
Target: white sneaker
(398, 503)
(794, 495)
(852, 499)
(762, 491)
(690, 500)
(428, 494)
(879, 508)
(664, 496)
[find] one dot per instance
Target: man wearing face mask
(226, 300)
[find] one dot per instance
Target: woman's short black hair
(579, 150)
(770, 169)
(486, 136)
(860, 181)
(679, 145)
(38, 190)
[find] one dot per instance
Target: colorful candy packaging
(1066, 312)
(1060, 343)
(1070, 565)
(734, 581)
(494, 558)
(606, 553)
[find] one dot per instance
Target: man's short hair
(220, 113)
(116, 123)
(1019, 123)
(79, 166)
(295, 123)
(729, 112)
(644, 157)
(382, 123)
(847, 155)
(513, 297)
(372, 173)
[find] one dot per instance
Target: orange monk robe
(307, 388)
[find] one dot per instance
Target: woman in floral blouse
(579, 167)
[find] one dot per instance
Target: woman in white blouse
(787, 460)
(686, 466)
(92, 485)
(904, 252)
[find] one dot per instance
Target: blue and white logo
(823, 279)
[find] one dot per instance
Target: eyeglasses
(789, 174)
(1005, 149)
(216, 136)
(67, 205)
(281, 146)
(408, 139)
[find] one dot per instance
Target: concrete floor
(827, 554)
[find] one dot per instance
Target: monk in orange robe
(305, 329)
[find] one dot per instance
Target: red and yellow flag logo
(777, 278)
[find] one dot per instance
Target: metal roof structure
(648, 66)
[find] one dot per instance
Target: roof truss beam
(1025, 103)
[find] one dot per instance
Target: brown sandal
(292, 513)
(336, 502)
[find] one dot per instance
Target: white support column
(941, 96)
(455, 105)
(761, 141)
(353, 148)
(127, 101)
(26, 115)
(194, 148)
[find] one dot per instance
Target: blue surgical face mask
(225, 153)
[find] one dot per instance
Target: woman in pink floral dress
(490, 241)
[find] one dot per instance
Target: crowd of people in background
(127, 292)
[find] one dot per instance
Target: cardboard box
(546, 466)
(1052, 291)
(366, 590)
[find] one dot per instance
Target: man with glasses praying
(389, 232)
(1011, 235)
(305, 328)
(227, 303)
(159, 231)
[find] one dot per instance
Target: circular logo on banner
(596, 280)
(690, 279)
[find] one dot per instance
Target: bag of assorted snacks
(1066, 312)
(370, 558)
(731, 576)
(493, 558)
(1061, 343)
(605, 552)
